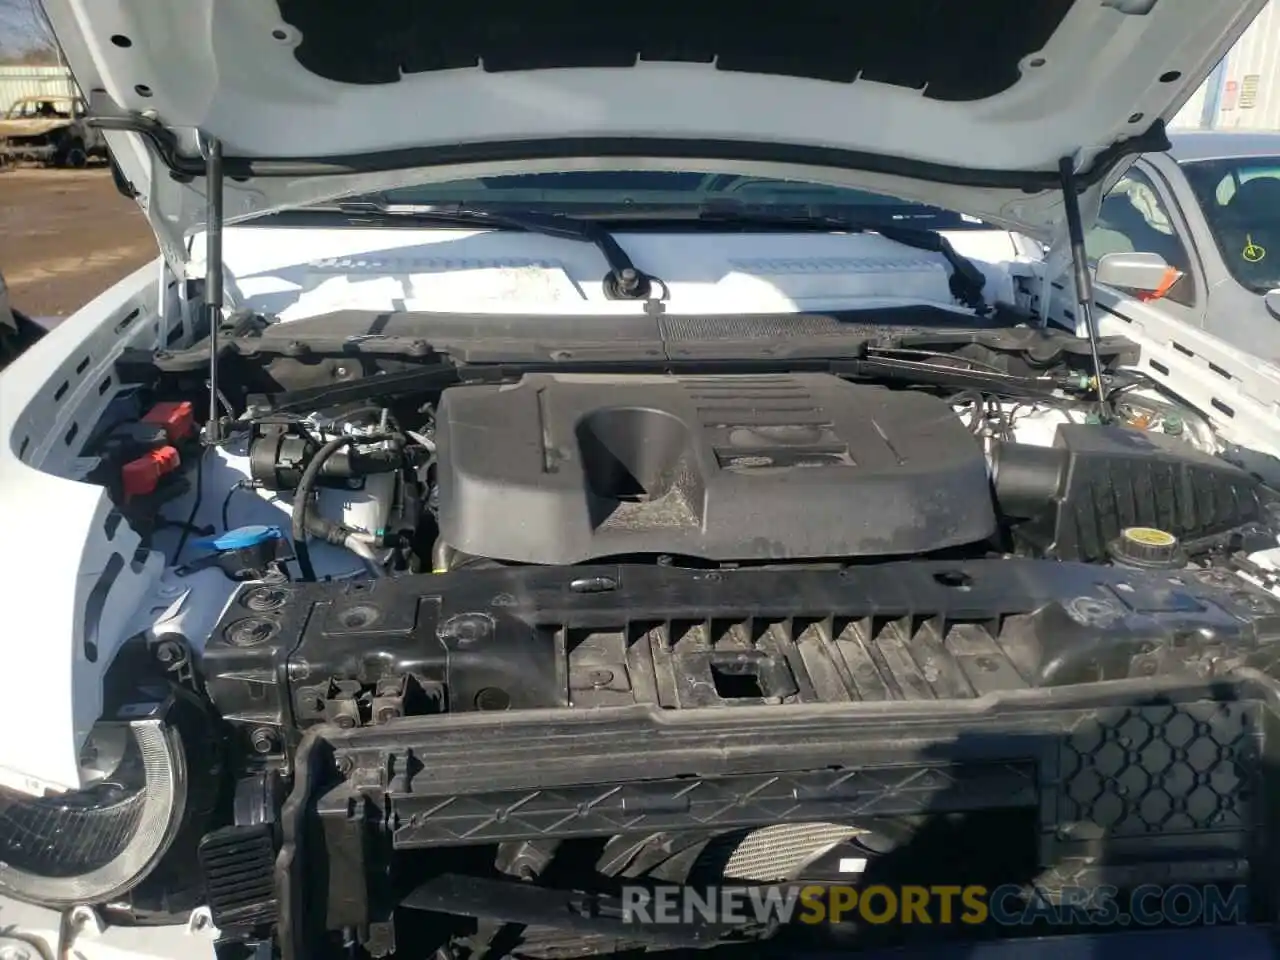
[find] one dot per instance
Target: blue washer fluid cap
(241, 538)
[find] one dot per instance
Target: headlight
(96, 843)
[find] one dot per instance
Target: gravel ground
(65, 236)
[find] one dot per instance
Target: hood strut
(1080, 268)
(213, 276)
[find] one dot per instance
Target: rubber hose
(303, 522)
(301, 500)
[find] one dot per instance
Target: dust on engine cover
(564, 468)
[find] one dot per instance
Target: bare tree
(43, 30)
(26, 33)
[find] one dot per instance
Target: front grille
(1172, 769)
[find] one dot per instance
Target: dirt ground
(65, 236)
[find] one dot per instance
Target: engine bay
(981, 445)
(663, 576)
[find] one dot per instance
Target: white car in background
(1210, 208)
(548, 459)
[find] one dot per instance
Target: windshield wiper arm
(625, 281)
(966, 282)
(882, 367)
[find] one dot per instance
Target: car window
(1240, 198)
(1226, 187)
(1134, 219)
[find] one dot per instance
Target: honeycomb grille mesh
(1167, 769)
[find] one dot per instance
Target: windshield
(632, 193)
(1240, 198)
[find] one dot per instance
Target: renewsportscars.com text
(1010, 905)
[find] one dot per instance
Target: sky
(19, 29)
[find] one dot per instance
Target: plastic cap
(1146, 547)
(241, 538)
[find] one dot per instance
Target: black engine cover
(564, 468)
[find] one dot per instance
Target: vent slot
(127, 320)
(238, 865)
(736, 681)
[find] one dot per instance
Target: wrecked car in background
(51, 130)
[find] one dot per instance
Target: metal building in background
(1243, 92)
(17, 82)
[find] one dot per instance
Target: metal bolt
(168, 652)
(346, 722)
(345, 765)
(265, 599)
(387, 713)
(250, 632)
(263, 740)
(600, 678)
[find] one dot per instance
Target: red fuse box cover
(141, 476)
(177, 419)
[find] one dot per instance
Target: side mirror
(1272, 299)
(1145, 273)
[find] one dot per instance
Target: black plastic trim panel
(1171, 777)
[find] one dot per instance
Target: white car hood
(965, 105)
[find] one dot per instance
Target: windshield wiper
(966, 281)
(625, 281)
